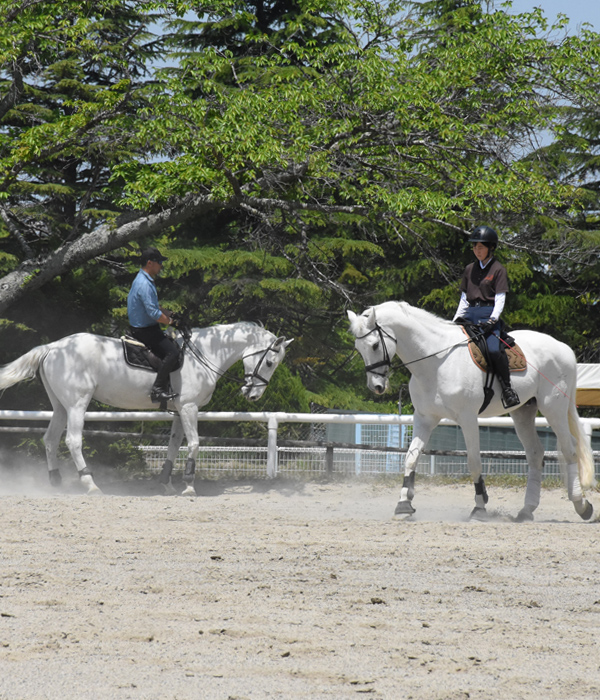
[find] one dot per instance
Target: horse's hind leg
(524, 420)
(74, 440)
(422, 429)
(567, 442)
(172, 450)
(51, 441)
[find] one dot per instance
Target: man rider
(483, 289)
(145, 315)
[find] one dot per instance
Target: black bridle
(193, 350)
(386, 362)
(255, 372)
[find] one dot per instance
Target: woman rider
(483, 287)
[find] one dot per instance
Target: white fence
(274, 459)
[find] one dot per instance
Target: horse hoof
(189, 490)
(479, 514)
(169, 489)
(524, 516)
(404, 508)
(584, 509)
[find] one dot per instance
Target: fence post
(272, 447)
(329, 458)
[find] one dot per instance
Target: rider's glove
(487, 326)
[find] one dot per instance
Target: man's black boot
(158, 395)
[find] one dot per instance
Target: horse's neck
(418, 333)
(223, 345)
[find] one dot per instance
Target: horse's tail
(585, 457)
(25, 367)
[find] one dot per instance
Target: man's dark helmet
(484, 234)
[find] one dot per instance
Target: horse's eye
(269, 363)
(375, 345)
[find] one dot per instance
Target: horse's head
(259, 365)
(376, 346)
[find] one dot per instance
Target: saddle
(138, 355)
(479, 354)
(478, 350)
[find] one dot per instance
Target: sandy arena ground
(289, 590)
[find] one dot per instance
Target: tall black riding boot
(510, 397)
(160, 390)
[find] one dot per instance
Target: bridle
(386, 361)
(251, 376)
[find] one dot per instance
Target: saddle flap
(138, 355)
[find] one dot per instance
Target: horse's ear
(354, 323)
(282, 341)
(370, 318)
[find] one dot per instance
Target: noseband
(386, 362)
(251, 376)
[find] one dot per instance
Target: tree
(309, 154)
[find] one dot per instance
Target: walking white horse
(446, 383)
(82, 367)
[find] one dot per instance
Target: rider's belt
(481, 303)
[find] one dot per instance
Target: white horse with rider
(446, 383)
(82, 367)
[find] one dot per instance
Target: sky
(578, 11)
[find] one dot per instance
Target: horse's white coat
(449, 385)
(82, 367)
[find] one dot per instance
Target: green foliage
(342, 150)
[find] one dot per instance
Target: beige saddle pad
(516, 358)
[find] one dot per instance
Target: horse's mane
(422, 315)
(238, 324)
(390, 308)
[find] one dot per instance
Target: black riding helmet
(485, 235)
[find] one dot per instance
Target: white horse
(446, 383)
(82, 367)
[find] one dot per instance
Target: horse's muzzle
(378, 385)
(253, 393)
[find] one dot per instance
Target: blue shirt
(142, 302)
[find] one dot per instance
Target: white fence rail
(286, 460)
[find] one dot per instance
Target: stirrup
(160, 395)
(510, 398)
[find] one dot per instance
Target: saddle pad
(137, 355)
(516, 358)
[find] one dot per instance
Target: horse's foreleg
(422, 430)
(75, 422)
(189, 420)
(172, 451)
(524, 420)
(470, 431)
